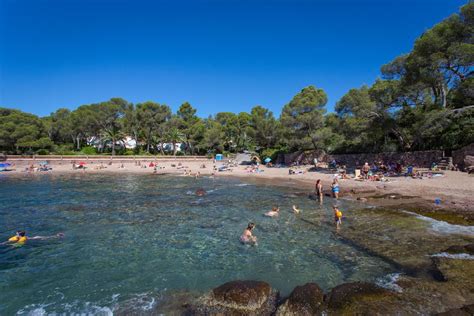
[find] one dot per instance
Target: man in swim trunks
(247, 237)
(319, 190)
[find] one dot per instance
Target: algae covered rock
(344, 295)
(238, 298)
(304, 300)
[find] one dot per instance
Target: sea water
(135, 238)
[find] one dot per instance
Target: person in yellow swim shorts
(337, 216)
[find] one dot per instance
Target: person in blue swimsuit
(335, 188)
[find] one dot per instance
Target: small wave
(33, 310)
(242, 185)
(389, 282)
(444, 227)
(461, 256)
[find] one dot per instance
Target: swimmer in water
(20, 238)
(337, 216)
(296, 210)
(247, 237)
(274, 212)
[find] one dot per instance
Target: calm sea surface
(135, 238)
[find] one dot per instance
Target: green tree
(302, 117)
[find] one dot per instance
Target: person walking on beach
(319, 190)
(337, 217)
(247, 237)
(335, 188)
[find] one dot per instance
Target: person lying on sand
(247, 237)
(274, 212)
(20, 238)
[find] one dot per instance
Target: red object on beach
(82, 163)
(151, 164)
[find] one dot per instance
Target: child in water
(247, 237)
(337, 216)
(274, 212)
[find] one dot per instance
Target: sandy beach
(454, 189)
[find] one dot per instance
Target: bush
(88, 150)
(129, 152)
(42, 152)
(66, 149)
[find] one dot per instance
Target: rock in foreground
(304, 300)
(238, 298)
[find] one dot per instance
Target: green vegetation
(423, 100)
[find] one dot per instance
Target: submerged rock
(238, 298)
(466, 310)
(469, 249)
(200, 192)
(304, 300)
(342, 296)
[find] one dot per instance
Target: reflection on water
(135, 237)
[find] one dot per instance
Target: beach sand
(454, 189)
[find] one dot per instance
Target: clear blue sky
(226, 55)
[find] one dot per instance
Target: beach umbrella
(268, 159)
(82, 163)
(4, 165)
(42, 163)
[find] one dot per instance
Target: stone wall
(463, 157)
(422, 159)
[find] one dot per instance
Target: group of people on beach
(247, 236)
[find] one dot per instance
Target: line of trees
(423, 100)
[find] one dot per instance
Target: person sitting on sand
(20, 238)
(337, 216)
(274, 212)
(365, 170)
(247, 237)
(319, 190)
(335, 188)
(296, 210)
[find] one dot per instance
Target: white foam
(444, 227)
(461, 256)
(389, 282)
(242, 185)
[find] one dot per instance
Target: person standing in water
(337, 217)
(247, 237)
(319, 190)
(335, 188)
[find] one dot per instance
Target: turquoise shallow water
(135, 238)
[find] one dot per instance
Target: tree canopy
(423, 99)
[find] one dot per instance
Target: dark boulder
(238, 298)
(304, 300)
(469, 249)
(466, 310)
(345, 294)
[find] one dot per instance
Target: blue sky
(220, 55)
